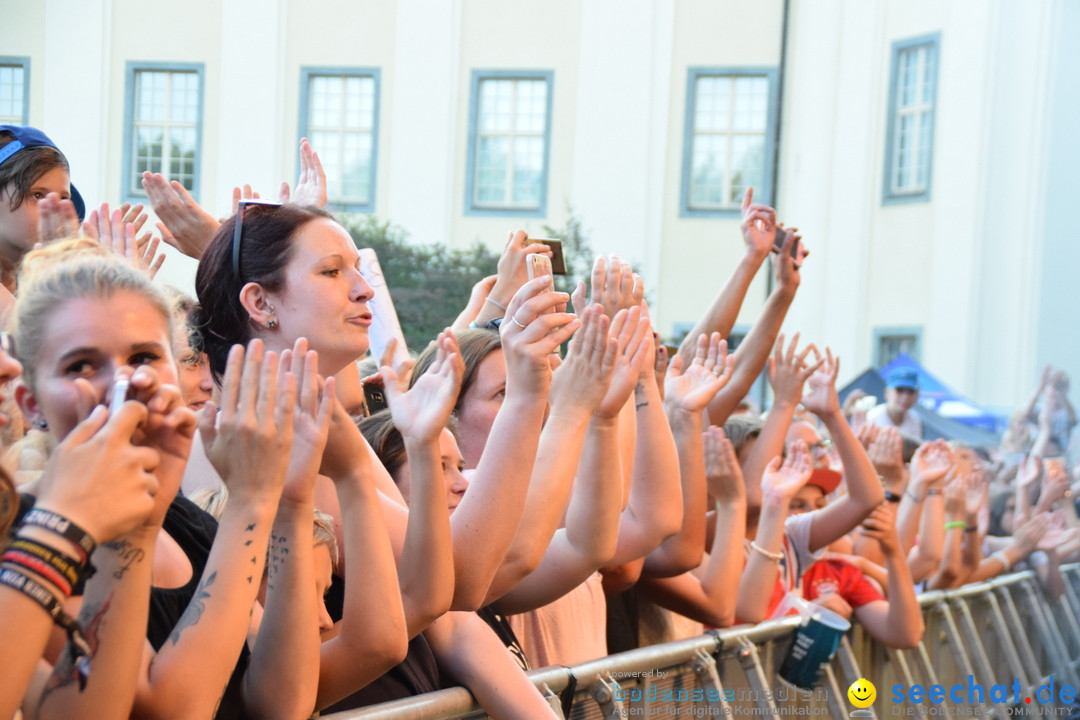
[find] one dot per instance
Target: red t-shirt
(842, 578)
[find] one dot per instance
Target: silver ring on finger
(513, 318)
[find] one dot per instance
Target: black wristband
(892, 497)
(47, 519)
(79, 648)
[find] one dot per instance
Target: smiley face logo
(862, 693)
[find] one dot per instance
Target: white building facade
(926, 150)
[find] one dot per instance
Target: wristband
(955, 524)
(496, 303)
(60, 525)
(68, 566)
(933, 491)
(971, 528)
(775, 557)
(1002, 558)
(892, 497)
(20, 561)
(78, 647)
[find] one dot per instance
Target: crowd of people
(198, 518)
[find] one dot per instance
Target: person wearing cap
(31, 167)
(901, 393)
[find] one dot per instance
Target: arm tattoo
(195, 608)
(279, 553)
(128, 556)
(639, 392)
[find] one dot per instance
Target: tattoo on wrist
(127, 554)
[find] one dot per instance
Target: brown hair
(20, 171)
(475, 345)
(220, 320)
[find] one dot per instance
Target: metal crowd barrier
(992, 633)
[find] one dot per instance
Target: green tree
(430, 283)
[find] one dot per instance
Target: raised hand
(190, 227)
(758, 225)
(723, 474)
(1029, 471)
(311, 186)
(821, 398)
(531, 331)
(786, 268)
(511, 272)
(789, 371)
(784, 480)
(615, 286)
(1029, 534)
(630, 331)
(57, 218)
(250, 443)
(975, 494)
(242, 193)
(932, 461)
(422, 412)
(311, 419)
(582, 380)
(955, 493)
(709, 371)
(98, 478)
(117, 235)
(887, 454)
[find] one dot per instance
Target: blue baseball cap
(903, 378)
(28, 137)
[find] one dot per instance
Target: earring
(271, 323)
(41, 424)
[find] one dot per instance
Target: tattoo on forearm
(639, 395)
(128, 554)
(195, 608)
(279, 553)
(64, 673)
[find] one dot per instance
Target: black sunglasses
(238, 229)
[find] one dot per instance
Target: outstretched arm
(685, 397)
(758, 230)
(705, 594)
(897, 622)
(864, 492)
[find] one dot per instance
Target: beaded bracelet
(79, 648)
(776, 557)
(47, 519)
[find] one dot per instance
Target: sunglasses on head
(238, 229)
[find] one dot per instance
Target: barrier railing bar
(708, 676)
(457, 702)
(1059, 656)
(956, 644)
(974, 642)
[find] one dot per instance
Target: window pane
(511, 128)
(341, 116)
(12, 82)
(728, 147)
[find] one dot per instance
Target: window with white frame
(509, 143)
(14, 90)
(729, 136)
(340, 119)
(165, 111)
(910, 143)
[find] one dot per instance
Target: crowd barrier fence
(1002, 632)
